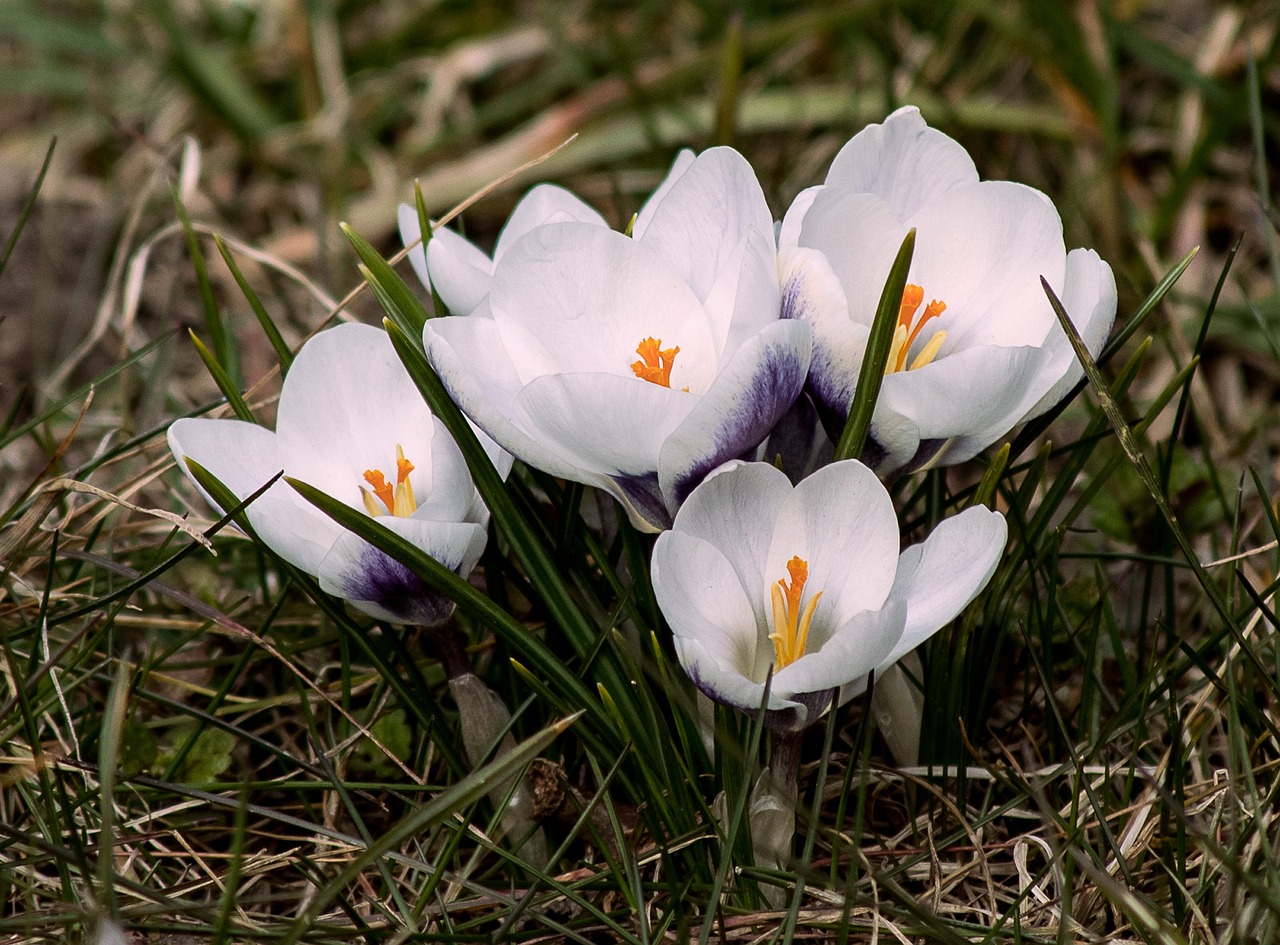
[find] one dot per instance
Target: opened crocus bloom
(756, 575)
(977, 348)
(351, 423)
(460, 271)
(635, 364)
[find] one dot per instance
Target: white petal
(859, 236)
(793, 220)
(940, 576)
(701, 597)
(468, 355)
(745, 297)
(705, 214)
(459, 270)
(841, 522)
(679, 166)
(734, 509)
(576, 298)
(982, 250)
(243, 457)
(450, 491)
(904, 161)
(729, 688)
(859, 645)
(545, 203)
(602, 423)
(737, 413)
(1089, 296)
(978, 394)
(345, 406)
(385, 588)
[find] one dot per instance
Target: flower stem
(484, 721)
(773, 809)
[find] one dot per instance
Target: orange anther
(656, 362)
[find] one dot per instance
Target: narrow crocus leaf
(531, 552)
(1147, 307)
(856, 429)
(223, 342)
(405, 309)
(224, 497)
(283, 354)
(425, 228)
(223, 379)
(1033, 430)
(986, 492)
(442, 579)
(445, 804)
(27, 206)
(1130, 445)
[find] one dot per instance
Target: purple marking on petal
(776, 720)
(778, 380)
(390, 585)
(831, 394)
(642, 491)
(790, 303)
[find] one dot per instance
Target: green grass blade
(539, 564)
(399, 301)
(427, 231)
(856, 429)
(283, 354)
(222, 379)
(445, 804)
(223, 342)
(461, 592)
(27, 206)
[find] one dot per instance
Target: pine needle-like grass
(206, 748)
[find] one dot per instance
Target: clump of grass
(209, 748)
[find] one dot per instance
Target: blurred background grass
(1133, 116)
(1154, 128)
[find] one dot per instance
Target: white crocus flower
(807, 581)
(635, 364)
(351, 422)
(459, 270)
(978, 349)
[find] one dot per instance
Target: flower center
(908, 330)
(791, 622)
(655, 362)
(397, 499)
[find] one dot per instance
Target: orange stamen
(381, 488)
(791, 622)
(398, 499)
(906, 333)
(656, 362)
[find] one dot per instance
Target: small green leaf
(222, 379)
(401, 304)
(425, 228)
(27, 206)
(283, 354)
(856, 429)
(223, 342)
(986, 491)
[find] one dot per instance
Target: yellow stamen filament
(655, 362)
(790, 621)
(398, 499)
(906, 333)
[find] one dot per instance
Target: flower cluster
(652, 364)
